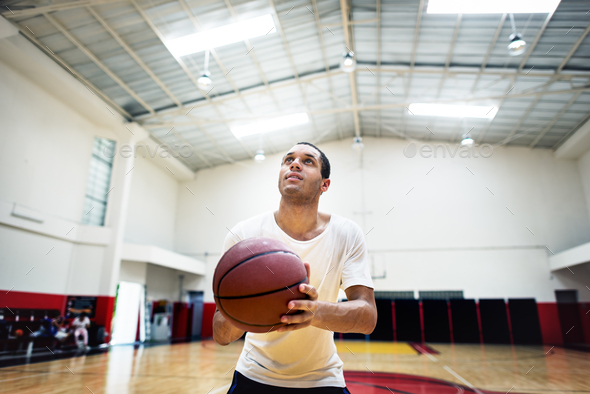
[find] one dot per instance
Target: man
(301, 356)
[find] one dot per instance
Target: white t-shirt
(77, 323)
(307, 357)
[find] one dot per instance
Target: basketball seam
(251, 324)
(258, 294)
(248, 259)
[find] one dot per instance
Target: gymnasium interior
(136, 133)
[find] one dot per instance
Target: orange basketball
(255, 280)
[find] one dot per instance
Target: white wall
(584, 168)
(48, 122)
(133, 271)
(443, 225)
(44, 159)
(151, 213)
(164, 284)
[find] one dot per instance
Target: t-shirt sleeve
(231, 239)
(355, 271)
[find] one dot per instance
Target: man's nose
(295, 163)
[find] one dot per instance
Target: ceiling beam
(490, 49)
(574, 49)
(450, 53)
(293, 67)
(537, 39)
(98, 62)
(252, 53)
(526, 113)
(134, 55)
(378, 117)
(36, 11)
(554, 120)
(412, 60)
(351, 23)
(213, 52)
(564, 139)
(375, 107)
(383, 69)
(184, 67)
(352, 75)
(67, 66)
(327, 67)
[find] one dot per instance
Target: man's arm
(358, 315)
(224, 332)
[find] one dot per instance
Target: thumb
(308, 270)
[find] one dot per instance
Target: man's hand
(308, 307)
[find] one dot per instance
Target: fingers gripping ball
(255, 280)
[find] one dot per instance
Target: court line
(221, 389)
(23, 377)
(455, 374)
(424, 352)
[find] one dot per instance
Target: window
(99, 180)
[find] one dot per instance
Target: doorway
(195, 300)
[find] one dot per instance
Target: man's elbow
(219, 342)
(219, 339)
(371, 323)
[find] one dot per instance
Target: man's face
(300, 175)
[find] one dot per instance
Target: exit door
(195, 299)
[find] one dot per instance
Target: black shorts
(242, 385)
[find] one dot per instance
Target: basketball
(255, 280)
(18, 333)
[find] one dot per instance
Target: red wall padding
(585, 318)
(549, 320)
(208, 312)
(21, 299)
(179, 320)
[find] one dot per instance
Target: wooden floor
(204, 367)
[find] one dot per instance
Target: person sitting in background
(81, 324)
(58, 328)
(45, 330)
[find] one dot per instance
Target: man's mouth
(294, 177)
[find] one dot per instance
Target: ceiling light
(452, 111)
(491, 7)
(517, 45)
(204, 82)
(260, 156)
(221, 36)
(467, 141)
(357, 144)
(348, 63)
(268, 125)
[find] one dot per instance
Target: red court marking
(359, 382)
(422, 348)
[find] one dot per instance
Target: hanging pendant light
(517, 45)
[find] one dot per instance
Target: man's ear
(325, 185)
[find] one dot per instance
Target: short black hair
(325, 162)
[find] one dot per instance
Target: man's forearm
(355, 316)
(224, 332)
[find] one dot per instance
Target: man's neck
(301, 222)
